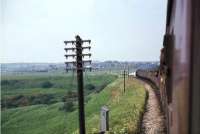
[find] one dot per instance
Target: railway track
(153, 119)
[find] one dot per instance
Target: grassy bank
(125, 108)
(24, 90)
(125, 111)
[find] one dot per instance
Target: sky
(124, 30)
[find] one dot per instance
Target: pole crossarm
(88, 47)
(70, 55)
(89, 41)
(72, 42)
(74, 55)
(73, 48)
(88, 54)
(73, 68)
(75, 41)
(75, 62)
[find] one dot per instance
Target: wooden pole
(80, 85)
(124, 81)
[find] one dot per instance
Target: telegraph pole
(124, 81)
(124, 77)
(128, 71)
(78, 65)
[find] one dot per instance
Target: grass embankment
(28, 85)
(125, 108)
(24, 90)
(125, 111)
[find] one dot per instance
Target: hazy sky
(34, 30)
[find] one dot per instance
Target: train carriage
(179, 73)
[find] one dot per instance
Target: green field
(23, 90)
(125, 108)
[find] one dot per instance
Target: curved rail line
(153, 121)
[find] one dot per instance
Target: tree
(69, 96)
(90, 86)
(68, 106)
(47, 84)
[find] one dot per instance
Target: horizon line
(64, 62)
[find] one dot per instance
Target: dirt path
(153, 118)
